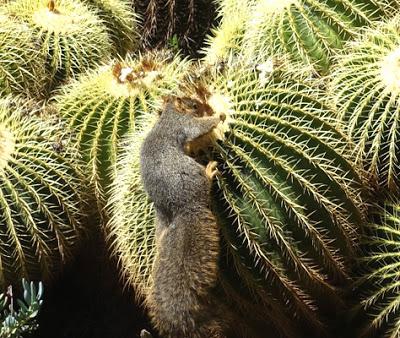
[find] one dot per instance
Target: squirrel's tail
(185, 271)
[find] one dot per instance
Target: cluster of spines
(186, 22)
(69, 36)
(21, 70)
(40, 196)
(120, 21)
(366, 89)
(380, 284)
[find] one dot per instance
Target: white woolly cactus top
(7, 146)
(390, 71)
(62, 16)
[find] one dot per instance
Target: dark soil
(88, 300)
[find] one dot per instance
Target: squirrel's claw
(145, 334)
(211, 169)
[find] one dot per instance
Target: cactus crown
(390, 71)
(54, 16)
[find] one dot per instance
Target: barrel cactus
(185, 22)
(106, 104)
(40, 196)
(21, 65)
(310, 31)
(287, 199)
(120, 20)
(71, 38)
(380, 284)
(227, 38)
(366, 88)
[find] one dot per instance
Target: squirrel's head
(188, 105)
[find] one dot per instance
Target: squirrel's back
(186, 266)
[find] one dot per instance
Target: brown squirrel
(187, 235)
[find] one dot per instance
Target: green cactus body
(381, 281)
(310, 31)
(131, 229)
(366, 88)
(120, 20)
(71, 38)
(40, 197)
(106, 104)
(287, 199)
(227, 38)
(21, 65)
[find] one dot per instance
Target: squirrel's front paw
(211, 169)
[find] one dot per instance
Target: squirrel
(187, 236)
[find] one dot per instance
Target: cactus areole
(390, 71)
(53, 20)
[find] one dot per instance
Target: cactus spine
(39, 197)
(70, 37)
(380, 283)
(366, 88)
(120, 20)
(310, 31)
(21, 65)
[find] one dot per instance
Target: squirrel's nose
(222, 116)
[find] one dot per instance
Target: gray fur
(186, 266)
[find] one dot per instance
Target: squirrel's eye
(195, 106)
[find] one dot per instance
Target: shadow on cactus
(70, 37)
(22, 68)
(309, 31)
(18, 322)
(380, 284)
(40, 196)
(366, 88)
(105, 104)
(288, 201)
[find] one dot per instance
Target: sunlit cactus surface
(22, 68)
(366, 89)
(40, 196)
(70, 37)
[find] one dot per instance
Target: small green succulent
(17, 322)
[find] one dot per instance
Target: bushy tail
(185, 271)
